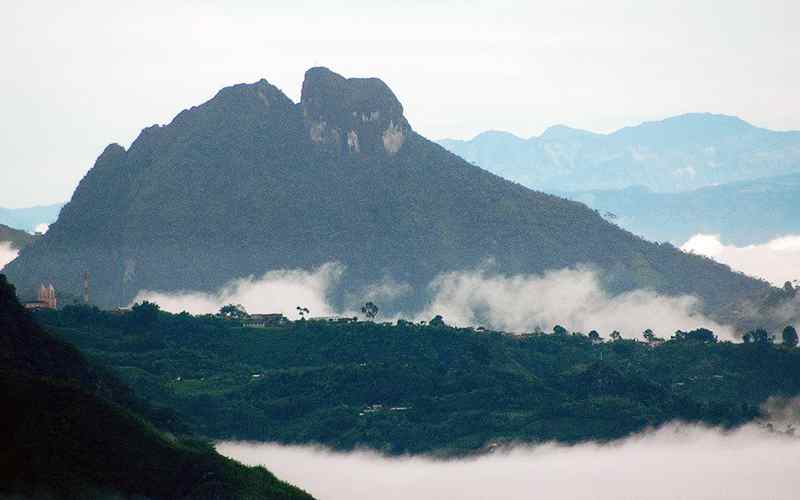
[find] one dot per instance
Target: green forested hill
(16, 237)
(250, 182)
(411, 389)
(73, 430)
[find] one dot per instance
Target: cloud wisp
(276, 291)
(675, 461)
(776, 261)
(573, 298)
(7, 253)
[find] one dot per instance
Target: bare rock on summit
(352, 115)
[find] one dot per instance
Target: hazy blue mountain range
(743, 213)
(251, 181)
(28, 218)
(676, 154)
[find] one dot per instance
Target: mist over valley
(235, 265)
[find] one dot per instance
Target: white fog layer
(674, 462)
(275, 291)
(776, 261)
(572, 297)
(7, 254)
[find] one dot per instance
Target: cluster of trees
(762, 336)
(789, 336)
(147, 311)
(441, 389)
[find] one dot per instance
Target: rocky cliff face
(352, 115)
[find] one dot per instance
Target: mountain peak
(688, 127)
(113, 150)
(563, 132)
(352, 115)
(263, 93)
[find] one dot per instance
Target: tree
(699, 335)
(703, 335)
(790, 336)
(595, 337)
(437, 321)
(233, 311)
(302, 311)
(759, 336)
(370, 310)
(144, 313)
(559, 330)
(615, 335)
(649, 336)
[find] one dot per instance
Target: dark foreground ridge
(409, 388)
(73, 430)
(250, 182)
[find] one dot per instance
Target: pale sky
(79, 75)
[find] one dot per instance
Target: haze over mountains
(29, 218)
(250, 182)
(742, 213)
(675, 154)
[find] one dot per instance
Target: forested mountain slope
(73, 430)
(250, 181)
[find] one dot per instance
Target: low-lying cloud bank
(7, 253)
(573, 298)
(276, 291)
(776, 261)
(675, 461)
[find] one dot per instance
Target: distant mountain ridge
(743, 212)
(250, 182)
(680, 153)
(28, 218)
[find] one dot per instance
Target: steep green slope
(70, 430)
(250, 182)
(412, 389)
